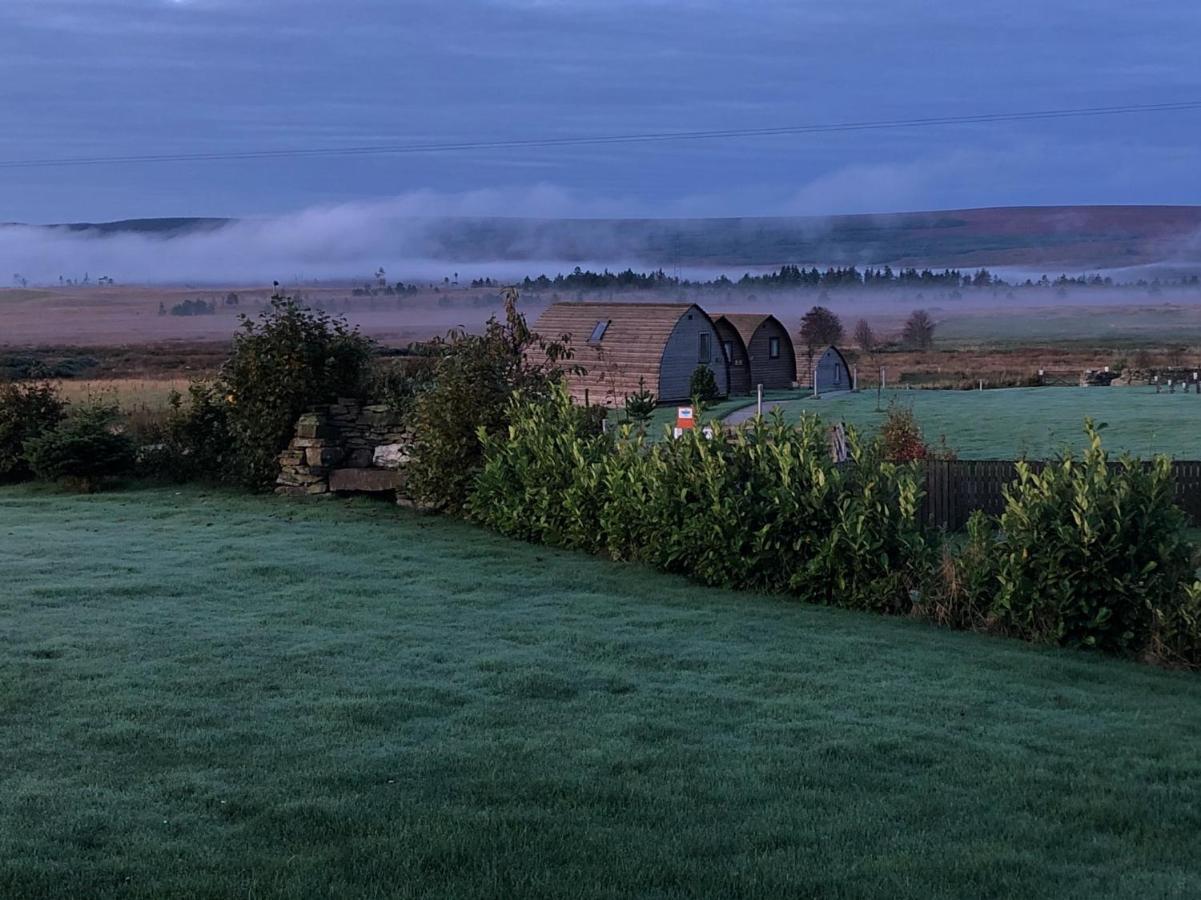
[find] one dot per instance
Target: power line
(644, 138)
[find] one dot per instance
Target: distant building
(831, 372)
(759, 351)
(619, 343)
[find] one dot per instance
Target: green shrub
(86, 448)
(397, 380)
(474, 379)
(766, 508)
(27, 411)
(1089, 552)
(763, 508)
(194, 441)
(960, 594)
(1176, 631)
(290, 359)
(702, 387)
(539, 480)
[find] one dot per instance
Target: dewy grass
(212, 695)
(1035, 422)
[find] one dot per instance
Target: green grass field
(207, 695)
(1036, 422)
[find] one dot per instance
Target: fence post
(759, 403)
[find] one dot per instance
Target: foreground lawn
(1035, 422)
(206, 695)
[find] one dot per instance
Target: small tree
(641, 404)
(819, 328)
(865, 338)
(287, 360)
(474, 379)
(919, 330)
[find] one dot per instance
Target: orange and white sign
(684, 420)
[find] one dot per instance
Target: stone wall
(346, 447)
(1179, 376)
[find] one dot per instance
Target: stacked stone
(305, 465)
(1178, 374)
(345, 446)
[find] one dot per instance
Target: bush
(764, 508)
(1176, 634)
(194, 308)
(292, 358)
(539, 481)
(960, 595)
(474, 379)
(1091, 554)
(703, 386)
(86, 447)
(26, 412)
(397, 380)
(902, 439)
(194, 441)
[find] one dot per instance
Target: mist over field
(510, 234)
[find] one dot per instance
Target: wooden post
(759, 403)
(815, 391)
(586, 402)
(855, 379)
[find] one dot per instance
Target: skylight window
(599, 331)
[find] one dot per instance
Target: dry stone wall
(346, 447)
(1180, 376)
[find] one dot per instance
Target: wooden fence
(957, 488)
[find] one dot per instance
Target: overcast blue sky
(112, 77)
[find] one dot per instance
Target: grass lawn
(1037, 422)
(210, 695)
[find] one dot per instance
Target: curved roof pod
(619, 343)
(831, 372)
(769, 346)
(737, 357)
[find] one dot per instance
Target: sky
(122, 77)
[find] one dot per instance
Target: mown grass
(1034, 422)
(210, 695)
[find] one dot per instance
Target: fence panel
(957, 488)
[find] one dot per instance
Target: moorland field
(113, 342)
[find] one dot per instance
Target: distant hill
(163, 227)
(1043, 238)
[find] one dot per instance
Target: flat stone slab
(365, 480)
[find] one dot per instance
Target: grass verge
(211, 695)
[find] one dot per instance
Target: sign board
(684, 420)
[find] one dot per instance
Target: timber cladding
(619, 343)
(771, 357)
